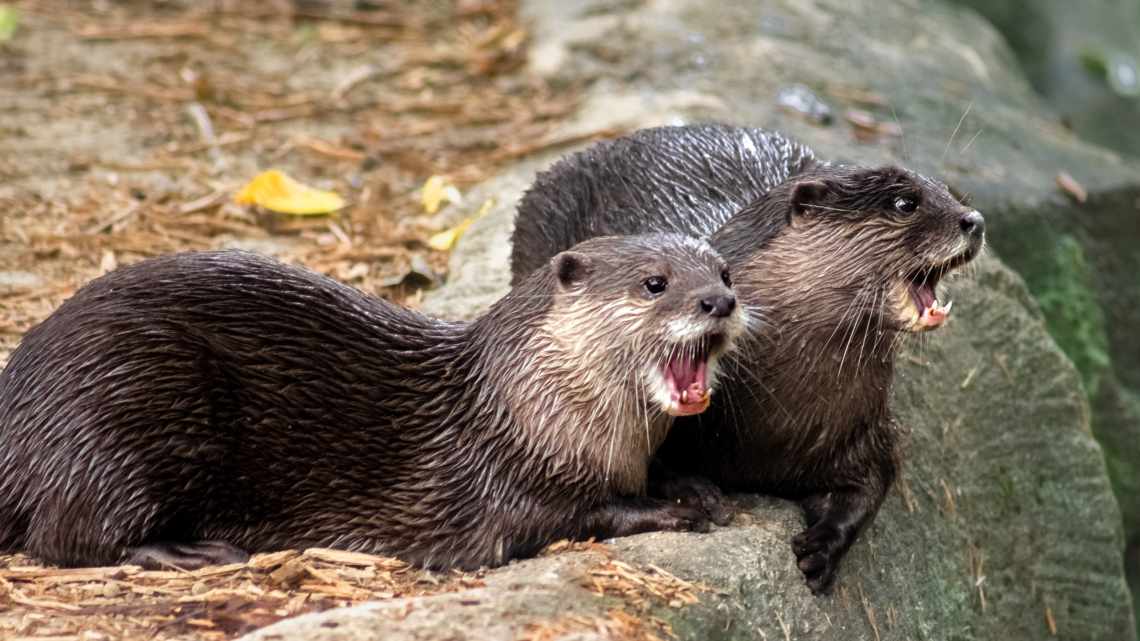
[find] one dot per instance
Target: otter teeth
(936, 313)
(937, 307)
(695, 394)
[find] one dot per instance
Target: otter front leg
(633, 515)
(834, 521)
(693, 491)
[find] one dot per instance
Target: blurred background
(127, 128)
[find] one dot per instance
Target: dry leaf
(1070, 186)
(436, 191)
(445, 240)
(275, 191)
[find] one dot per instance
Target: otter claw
(818, 550)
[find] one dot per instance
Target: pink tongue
(928, 314)
(925, 296)
(689, 379)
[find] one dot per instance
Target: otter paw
(683, 518)
(700, 493)
(185, 556)
(818, 550)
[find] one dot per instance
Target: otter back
(687, 180)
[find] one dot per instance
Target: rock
(1003, 513)
(480, 279)
(967, 113)
(539, 591)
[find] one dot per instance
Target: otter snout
(718, 306)
(973, 224)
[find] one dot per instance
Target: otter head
(891, 232)
(654, 311)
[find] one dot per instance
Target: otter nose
(972, 223)
(718, 306)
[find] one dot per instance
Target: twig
(365, 19)
(354, 78)
(113, 85)
(99, 228)
(205, 126)
(328, 149)
(205, 202)
(145, 30)
(870, 612)
(526, 149)
(227, 139)
(17, 597)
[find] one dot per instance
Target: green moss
(1067, 297)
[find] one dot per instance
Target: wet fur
(688, 180)
(223, 396)
(817, 250)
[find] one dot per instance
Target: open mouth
(922, 285)
(686, 375)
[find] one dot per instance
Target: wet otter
(845, 260)
(192, 408)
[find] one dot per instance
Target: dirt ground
(125, 129)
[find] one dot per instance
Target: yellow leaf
(9, 20)
(275, 191)
(445, 240)
(435, 191)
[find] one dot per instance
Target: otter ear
(571, 268)
(805, 194)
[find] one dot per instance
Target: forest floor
(125, 130)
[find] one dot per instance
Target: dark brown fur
(194, 407)
(803, 411)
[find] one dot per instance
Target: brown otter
(192, 408)
(845, 260)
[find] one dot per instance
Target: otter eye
(656, 284)
(726, 278)
(905, 205)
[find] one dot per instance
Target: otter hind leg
(185, 556)
(633, 515)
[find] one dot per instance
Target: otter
(194, 408)
(843, 261)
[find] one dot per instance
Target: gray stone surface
(542, 590)
(968, 115)
(1003, 521)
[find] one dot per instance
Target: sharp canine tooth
(948, 306)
